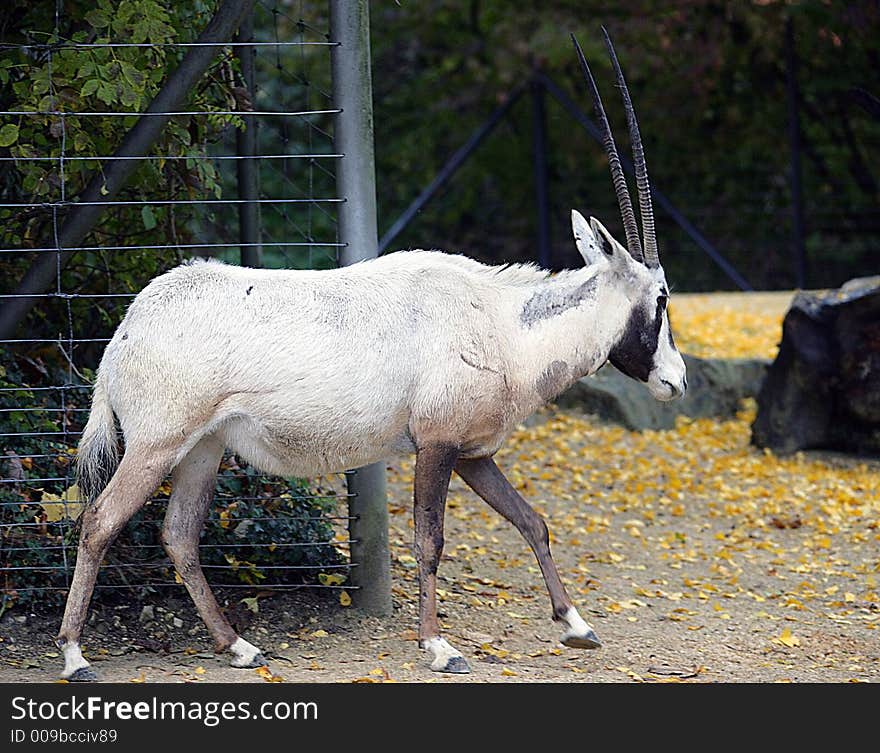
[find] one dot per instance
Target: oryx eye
(661, 303)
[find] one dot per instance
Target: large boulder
(715, 389)
(823, 389)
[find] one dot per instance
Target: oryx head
(645, 349)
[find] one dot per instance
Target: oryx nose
(676, 391)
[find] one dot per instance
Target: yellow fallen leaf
(199, 670)
(267, 675)
(344, 599)
(139, 678)
(58, 507)
(786, 638)
(508, 672)
(320, 634)
(331, 579)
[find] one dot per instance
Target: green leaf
(8, 134)
(97, 18)
(106, 93)
(89, 87)
(39, 86)
(148, 217)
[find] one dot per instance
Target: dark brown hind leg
(433, 471)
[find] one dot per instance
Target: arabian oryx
(312, 372)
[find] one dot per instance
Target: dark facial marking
(550, 301)
(634, 352)
(662, 300)
(669, 330)
(553, 380)
(248, 291)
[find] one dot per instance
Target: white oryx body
(310, 372)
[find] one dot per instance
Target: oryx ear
(604, 241)
(584, 239)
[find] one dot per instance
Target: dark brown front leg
(485, 478)
(434, 465)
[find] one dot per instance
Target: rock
(715, 388)
(177, 622)
(823, 389)
(148, 614)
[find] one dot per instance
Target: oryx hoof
(455, 665)
(258, 661)
(83, 674)
(581, 640)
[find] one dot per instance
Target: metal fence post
(247, 146)
(355, 179)
(539, 154)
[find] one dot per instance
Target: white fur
(244, 652)
(312, 372)
(576, 624)
(585, 239)
(669, 367)
(441, 651)
(73, 659)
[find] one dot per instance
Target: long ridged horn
(630, 227)
(646, 208)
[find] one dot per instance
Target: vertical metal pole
(355, 182)
(794, 136)
(248, 169)
(539, 149)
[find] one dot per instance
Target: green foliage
(89, 79)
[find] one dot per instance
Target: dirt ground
(696, 557)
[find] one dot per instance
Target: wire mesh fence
(72, 88)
